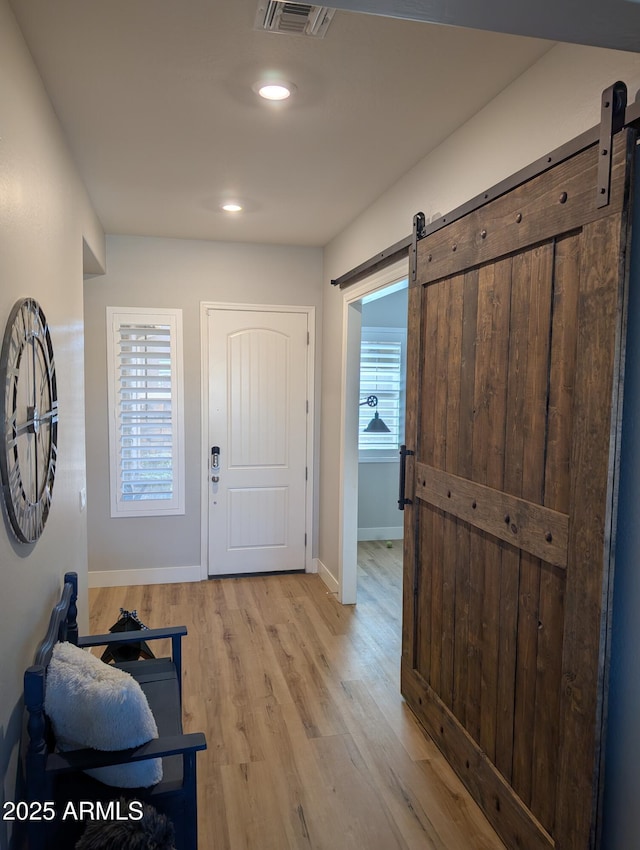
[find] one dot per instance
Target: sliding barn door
(516, 342)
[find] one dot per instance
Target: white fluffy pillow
(91, 704)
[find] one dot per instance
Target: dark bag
(117, 652)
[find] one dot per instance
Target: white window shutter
(382, 374)
(145, 411)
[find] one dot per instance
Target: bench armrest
(88, 759)
(132, 637)
(174, 632)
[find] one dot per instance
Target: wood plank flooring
(310, 743)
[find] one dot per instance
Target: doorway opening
(375, 321)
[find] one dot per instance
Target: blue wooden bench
(56, 777)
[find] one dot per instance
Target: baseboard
(389, 533)
(327, 577)
(152, 575)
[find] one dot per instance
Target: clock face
(28, 420)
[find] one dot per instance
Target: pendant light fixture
(376, 426)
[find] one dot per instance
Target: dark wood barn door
(516, 340)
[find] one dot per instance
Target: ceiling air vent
(293, 18)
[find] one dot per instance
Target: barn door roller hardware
(419, 225)
(612, 115)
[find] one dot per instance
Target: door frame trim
(348, 506)
(310, 312)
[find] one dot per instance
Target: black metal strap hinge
(419, 227)
(612, 117)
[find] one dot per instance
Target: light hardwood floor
(309, 742)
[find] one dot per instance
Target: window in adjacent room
(146, 416)
(382, 374)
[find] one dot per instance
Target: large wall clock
(28, 420)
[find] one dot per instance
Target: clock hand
(49, 416)
(24, 427)
(34, 420)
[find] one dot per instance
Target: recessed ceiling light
(274, 91)
(273, 88)
(232, 207)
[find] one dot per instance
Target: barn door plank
(438, 404)
(454, 320)
(487, 468)
(556, 497)
(410, 549)
(463, 468)
(524, 437)
(593, 459)
(536, 267)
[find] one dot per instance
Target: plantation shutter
(382, 376)
(146, 413)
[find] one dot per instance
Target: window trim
(115, 318)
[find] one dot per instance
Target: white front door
(258, 362)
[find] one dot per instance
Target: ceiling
(156, 101)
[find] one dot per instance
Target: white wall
(378, 514)
(44, 217)
(148, 272)
(555, 100)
